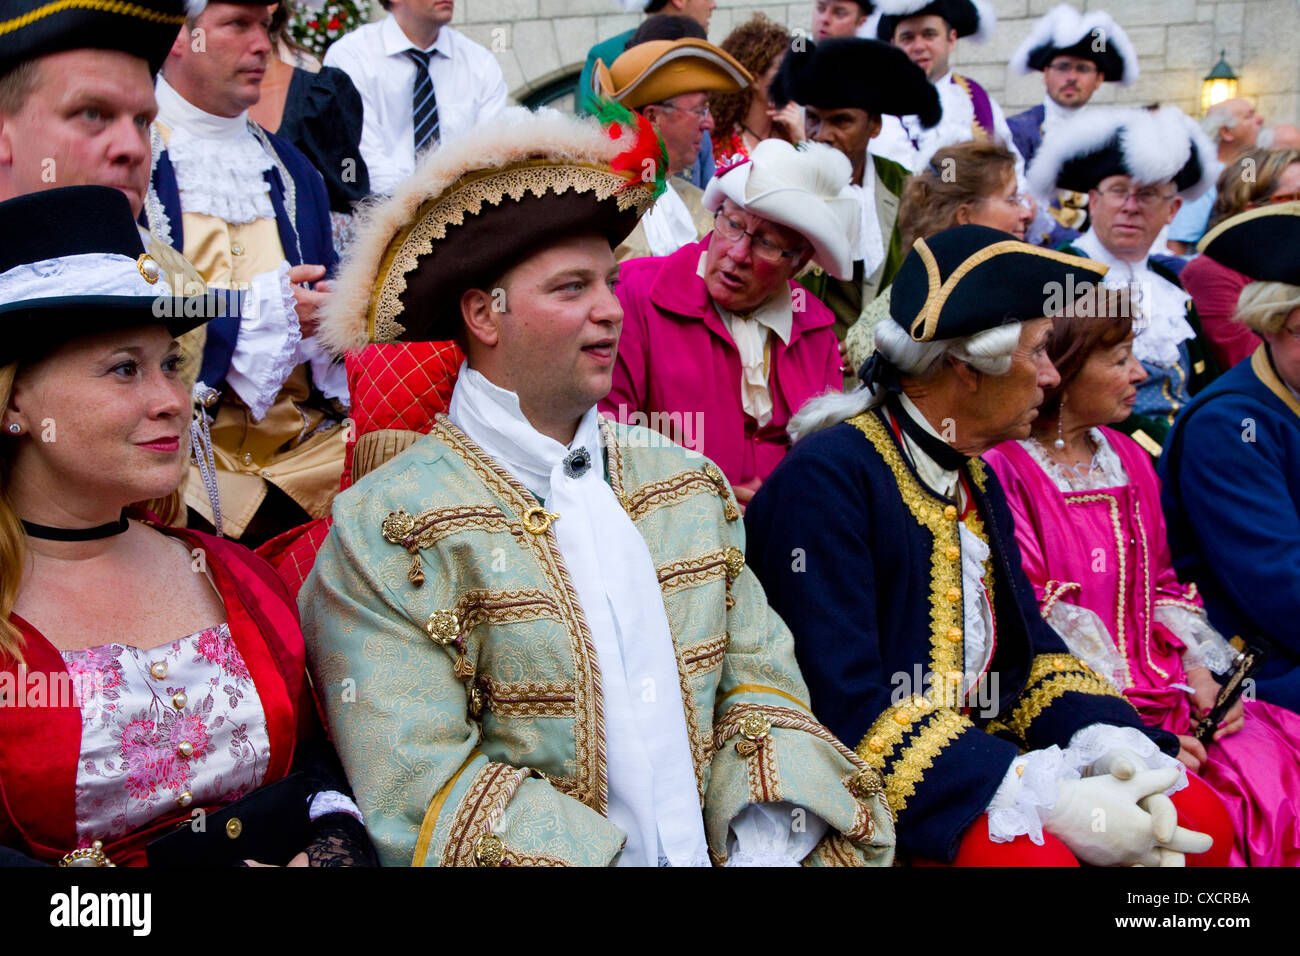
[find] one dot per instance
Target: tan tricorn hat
(658, 70)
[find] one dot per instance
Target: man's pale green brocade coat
(467, 708)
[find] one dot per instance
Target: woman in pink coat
(719, 346)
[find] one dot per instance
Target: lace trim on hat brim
(467, 199)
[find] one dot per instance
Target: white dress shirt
(906, 141)
(467, 82)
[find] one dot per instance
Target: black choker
(76, 534)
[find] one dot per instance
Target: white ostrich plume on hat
(1063, 26)
(804, 188)
(1156, 145)
(514, 135)
(903, 8)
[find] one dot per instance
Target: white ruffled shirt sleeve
(1205, 647)
(773, 834)
(266, 350)
(1029, 790)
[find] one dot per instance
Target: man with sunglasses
(668, 82)
(720, 346)
(1138, 166)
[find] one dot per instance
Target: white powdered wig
(1156, 145)
(1063, 26)
(988, 17)
(989, 352)
(514, 135)
(194, 7)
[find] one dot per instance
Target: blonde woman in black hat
(149, 675)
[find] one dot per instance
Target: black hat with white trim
(849, 73)
(81, 268)
(969, 279)
(1095, 36)
(970, 18)
(1150, 146)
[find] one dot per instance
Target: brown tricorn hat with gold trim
(474, 208)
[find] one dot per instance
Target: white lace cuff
(773, 834)
(1087, 638)
(331, 801)
(1091, 742)
(329, 376)
(1027, 794)
(1206, 647)
(267, 347)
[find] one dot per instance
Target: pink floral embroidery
(222, 652)
(151, 763)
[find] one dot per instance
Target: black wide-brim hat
(1263, 244)
(970, 18)
(81, 269)
(474, 209)
(34, 28)
(970, 279)
(851, 73)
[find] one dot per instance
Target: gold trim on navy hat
(1278, 209)
(936, 299)
(107, 6)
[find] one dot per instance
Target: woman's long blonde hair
(13, 539)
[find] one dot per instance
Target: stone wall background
(539, 42)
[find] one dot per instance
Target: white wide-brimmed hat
(804, 188)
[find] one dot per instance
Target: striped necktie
(425, 112)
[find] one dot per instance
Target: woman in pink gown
(1091, 533)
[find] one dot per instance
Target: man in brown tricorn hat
(547, 616)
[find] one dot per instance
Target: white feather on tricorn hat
(1095, 36)
(1150, 145)
(474, 208)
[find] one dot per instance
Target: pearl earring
(1060, 417)
(15, 428)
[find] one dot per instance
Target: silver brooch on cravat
(577, 462)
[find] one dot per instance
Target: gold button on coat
(954, 595)
(953, 552)
(236, 249)
(950, 512)
(234, 828)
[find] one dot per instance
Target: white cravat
(652, 790)
(1161, 307)
(668, 225)
(869, 247)
(750, 333)
(1054, 112)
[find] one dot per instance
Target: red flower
(313, 24)
(334, 23)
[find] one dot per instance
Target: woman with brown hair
(1255, 178)
(969, 183)
(1092, 540)
(147, 673)
(745, 119)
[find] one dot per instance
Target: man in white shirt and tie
(421, 82)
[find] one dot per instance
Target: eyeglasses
(1019, 200)
(1147, 197)
(1083, 69)
(765, 249)
(1269, 200)
(700, 112)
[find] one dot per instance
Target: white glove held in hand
(1108, 821)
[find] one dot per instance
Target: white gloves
(1120, 816)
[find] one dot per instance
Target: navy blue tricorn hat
(1263, 244)
(81, 268)
(851, 73)
(969, 279)
(34, 28)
